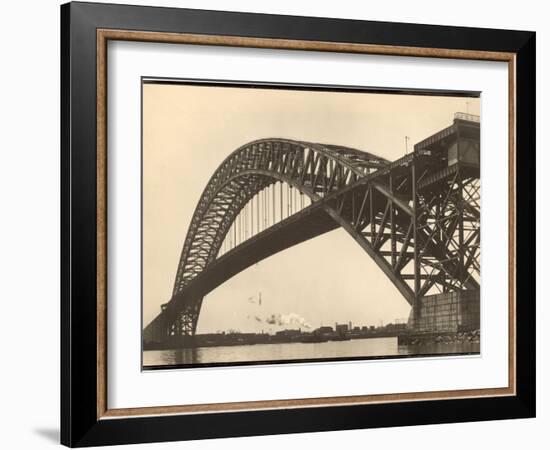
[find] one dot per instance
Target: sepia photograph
(290, 223)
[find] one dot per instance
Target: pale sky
(189, 130)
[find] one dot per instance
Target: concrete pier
(448, 312)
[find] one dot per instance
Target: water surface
(297, 351)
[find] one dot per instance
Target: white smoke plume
(287, 319)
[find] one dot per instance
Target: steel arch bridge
(416, 217)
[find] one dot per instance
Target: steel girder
(429, 246)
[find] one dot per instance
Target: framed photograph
(277, 224)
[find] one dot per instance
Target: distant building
(396, 326)
(323, 330)
(342, 328)
(288, 333)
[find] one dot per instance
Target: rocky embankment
(440, 338)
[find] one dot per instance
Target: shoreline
(446, 338)
(263, 342)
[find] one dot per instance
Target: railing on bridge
(468, 117)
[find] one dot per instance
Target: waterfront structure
(323, 330)
(341, 328)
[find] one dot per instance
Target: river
(264, 353)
